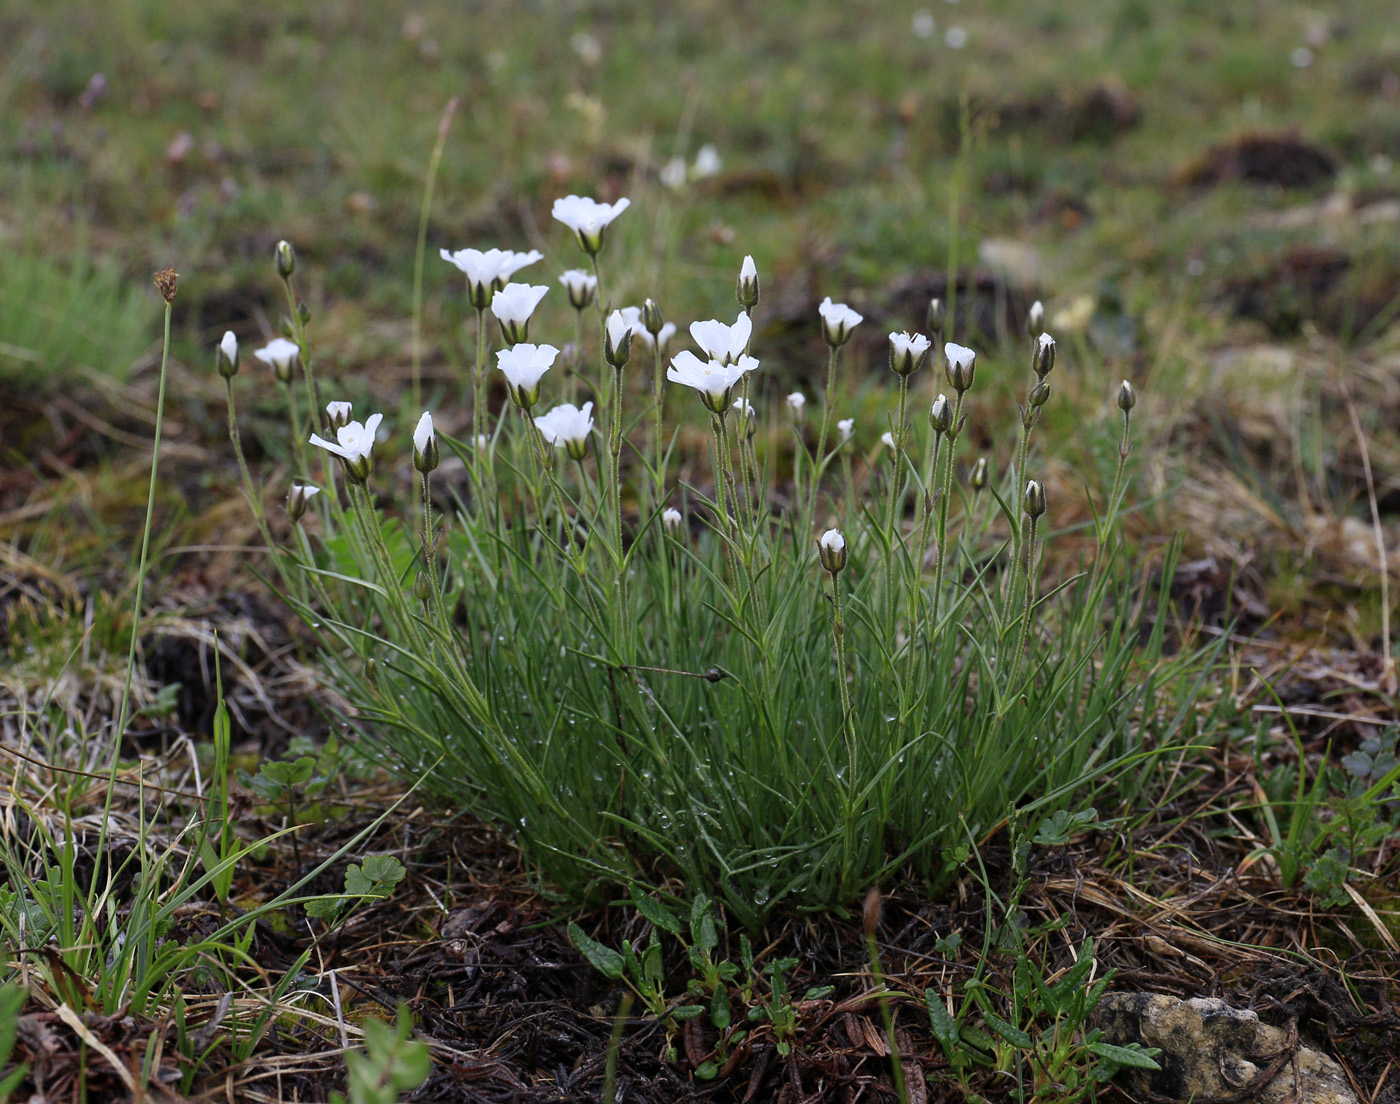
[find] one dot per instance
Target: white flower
(280, 354)
(712, 379)
(797, 404)
(838, 320)
(338, 413)
(725, 344)
(582, 287)
(354, 444)
(671, 518)
(846, 427)
(482, 441)
(748, 270)
(672, 174)
(229, 346)
(524, 366)
(513, 305)
(831, 549)
(588, 218)
(962, 365)
(568, 427)
(745, 413)
(907, 352)
(486, 271)
(707, 163)
(887, 439)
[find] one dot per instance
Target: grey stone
(1212, 1051)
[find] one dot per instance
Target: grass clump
(60, 318)
(643, 676)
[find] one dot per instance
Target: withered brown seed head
(165, 283)
(874, 902)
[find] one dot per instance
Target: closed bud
(1035, 318)
(935, 316)
(1040, 395)
(652, 318)
(831, 549)
(961, 366)
(979, 474)
(422, 587)
(1127, 397)
(426, 454)
(617, 340)
(226, 355)
(1043, 359)
(1034, 499)
(287, 327)
(746, 291)
(940, 415)
(297, 499)
(286, 259)
(303, 311)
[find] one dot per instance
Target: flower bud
(652, 318)
(936, 315)
(671, 518)
(287, 327)
(303, 311)
(797, 407)
(1035, 318)
(979, 474)
(226, 355)
(422, 587)
(426, 454)
(617, 340)
(940, 415)
(338, 414)
(746, 291)
(297, 499)
(846, 427)
(831, 549)
(1040, 395)
(482, 442)
(1127, 397)
(961, 366)
(747, 424)
(1043, 359)
(1034, 499)
(286, 259)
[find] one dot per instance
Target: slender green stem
(119, 727)
(893, 526)
(828, 402)
(425, 208)
(944, 493)
(1028, 612)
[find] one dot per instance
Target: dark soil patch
(1281, 160)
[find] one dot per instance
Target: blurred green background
(1132, 162)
